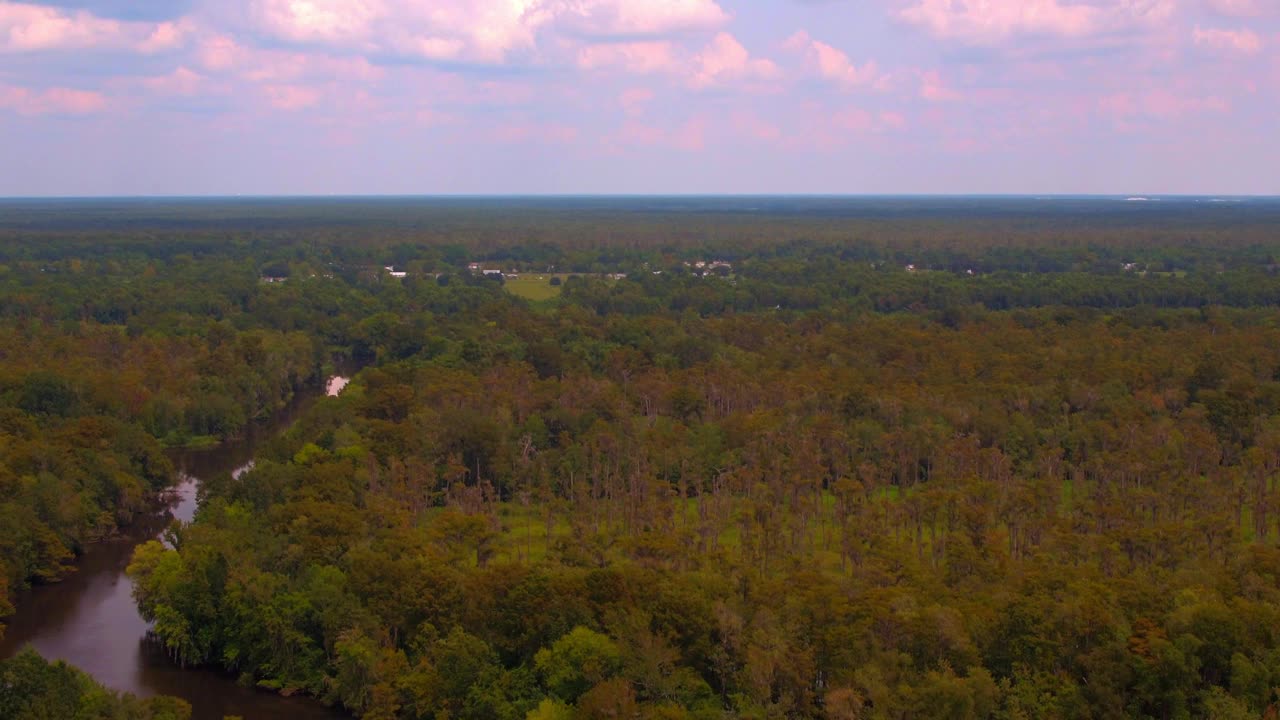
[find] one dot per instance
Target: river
(90, 620)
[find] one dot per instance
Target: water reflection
(90, 619)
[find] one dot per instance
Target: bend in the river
(90, 619)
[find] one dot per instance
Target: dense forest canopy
(754, 457)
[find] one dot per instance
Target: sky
(270, 97)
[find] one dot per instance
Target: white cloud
(638, 17)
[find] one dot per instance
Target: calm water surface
(90, 620)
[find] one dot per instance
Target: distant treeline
(584, 234)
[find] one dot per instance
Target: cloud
(1160, 104)
(33, 28)
(166, 36)
(474, 31)
(833, 64)
(183, 81)
(933, 89)
(689, 135)
(634, 57)
(318, 20)
(221, 52)
(985, 22)
(292, 97)
(445, 30)
(630, 18)
(726, 60)
(52, 101)
(824, 128)
(1242, 41)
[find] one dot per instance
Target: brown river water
(90, 619)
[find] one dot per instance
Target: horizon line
(606, 196)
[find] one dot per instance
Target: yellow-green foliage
(534, 286)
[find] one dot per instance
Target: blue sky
(118, 97)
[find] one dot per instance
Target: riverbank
(90, 619)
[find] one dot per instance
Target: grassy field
(534, 286)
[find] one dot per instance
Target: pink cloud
(279, 66)
(476, 30)
(1163, 103)
(832, 63)
(166, 36)
(291, 97)
(222, 55)
(53, 101)
(486, 31)
(318, 20)
(1241, 41)
(823, 128)
(989, 21)
(221, 52)
(726, 60)
(689, 136)
(892, 121)
(179, 82)
(933, 89)
(29, 28)
(634, 57)
(1159, 104)
(628, 18)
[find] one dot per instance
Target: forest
(891, 459)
